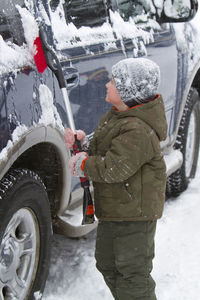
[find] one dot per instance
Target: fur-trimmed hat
(136, 80)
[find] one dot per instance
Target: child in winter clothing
(126, 166)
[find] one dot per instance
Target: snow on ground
(176, 267)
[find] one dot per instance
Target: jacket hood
(152, 113)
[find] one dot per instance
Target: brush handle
(68, 109)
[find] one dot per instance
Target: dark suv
(37, 192)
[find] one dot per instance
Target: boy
(126, 166)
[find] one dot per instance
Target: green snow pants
(124, 253)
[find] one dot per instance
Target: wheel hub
(19, 255)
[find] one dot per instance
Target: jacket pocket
(128, 192)
(117, 200)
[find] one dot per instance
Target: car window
(10, 21)
(131, 8)
(85, 13)
(142, 12)
(80, 24)
(139, 10)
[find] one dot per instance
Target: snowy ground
(176, 267)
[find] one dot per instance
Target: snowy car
(37, 194)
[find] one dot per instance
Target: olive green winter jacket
(126, 164)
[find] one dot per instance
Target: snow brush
(46, 57)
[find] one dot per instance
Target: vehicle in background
(37, 192)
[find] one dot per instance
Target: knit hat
(136, 80)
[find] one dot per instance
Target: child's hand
(76, 164)
(69, 137)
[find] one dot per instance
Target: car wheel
(188, 143)
(25, 235)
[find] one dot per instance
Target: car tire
(25, 235)
(188, 143)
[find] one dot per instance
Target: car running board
(69, 223)
(173, 161)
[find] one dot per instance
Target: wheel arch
(193, 82)
(42, 150)
(196, 81)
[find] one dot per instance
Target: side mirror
(177, 11)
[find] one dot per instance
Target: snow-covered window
(138, 10)
(132, 8)
(85, 12)
(10, 21)
(82, 26)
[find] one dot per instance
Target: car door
(86, 42)
(19, 77)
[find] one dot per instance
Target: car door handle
(72, 80)
(71, 76)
